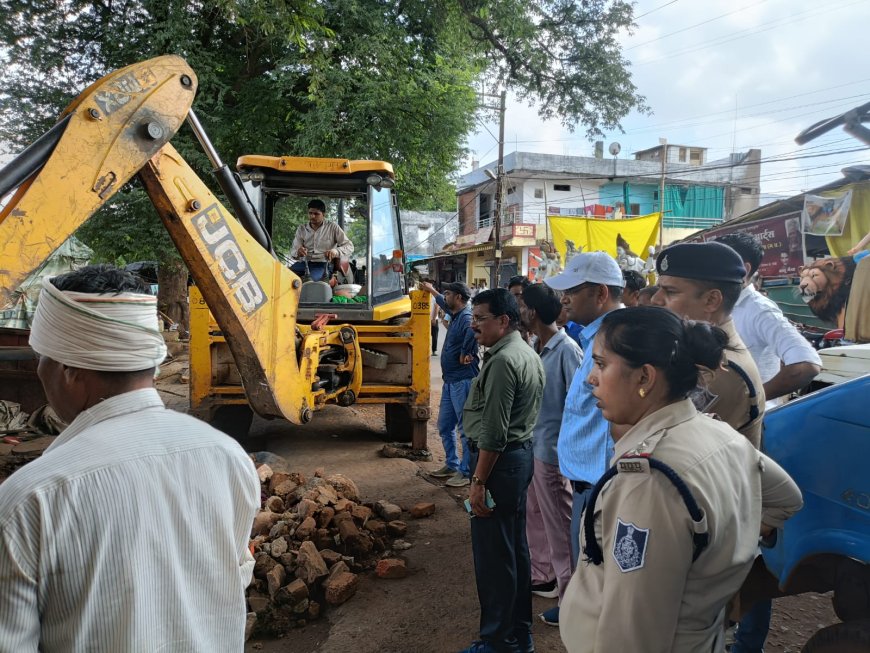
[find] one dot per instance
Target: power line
(455, 216)
(703, 22)
(685, 124)
(741, 34)
(655, 10)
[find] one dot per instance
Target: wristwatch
(476, 480)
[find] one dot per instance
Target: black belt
(511, 446)
(580, 486)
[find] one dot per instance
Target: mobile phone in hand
(488, 501)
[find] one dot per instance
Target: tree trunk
(172, 295)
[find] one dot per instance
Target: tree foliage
(393, 80)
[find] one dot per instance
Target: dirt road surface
(434, 609)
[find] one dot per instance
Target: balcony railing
(540, 218)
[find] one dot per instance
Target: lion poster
(826, 216)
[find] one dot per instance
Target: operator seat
(315, 292)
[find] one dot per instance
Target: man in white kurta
(130, 533)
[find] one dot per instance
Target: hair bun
(705, 343)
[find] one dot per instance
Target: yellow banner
(594, 234)
(858, 223)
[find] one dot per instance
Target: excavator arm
(121, 126)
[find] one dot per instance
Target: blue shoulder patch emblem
(629, 546)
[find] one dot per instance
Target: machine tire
(400, 427)
(849, 637)
(234, 420)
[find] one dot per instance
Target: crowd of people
(611, 453)
(611, 441)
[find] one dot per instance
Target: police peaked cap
(701, 261)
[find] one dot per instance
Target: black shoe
(524, 642)
(546, 590)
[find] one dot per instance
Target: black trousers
(502, 567)
(434, 338)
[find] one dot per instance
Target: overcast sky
(729, 75)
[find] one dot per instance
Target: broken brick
(391, 568)
(389, 511)
(376, 527)
(341, 588)
(421, 510)
(306, 528)
(397, 529)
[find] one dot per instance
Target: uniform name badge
(629, 546)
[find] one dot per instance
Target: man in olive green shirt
(499, 418)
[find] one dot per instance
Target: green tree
(379, 79)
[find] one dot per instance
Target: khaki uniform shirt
(648, 595)
(505, 398)
(730, 397)
(328, 236)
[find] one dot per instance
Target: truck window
(386, 272)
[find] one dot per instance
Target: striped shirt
(561, 358)
(585, 446)
(130, 533)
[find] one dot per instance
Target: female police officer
(672, 528)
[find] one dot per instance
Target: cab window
(386, 260)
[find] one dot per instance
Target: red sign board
(781, 239)
(524, 231)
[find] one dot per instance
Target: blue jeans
(317, 270)
(453, 396)
(752, 630)
(577, 507)
(502, 567)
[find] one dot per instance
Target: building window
(635, 209)
(695, 156)
(564, 187)
(682, 155)
(539, 193)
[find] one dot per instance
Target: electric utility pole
(498, 208)
(664, 156)
(499, 191)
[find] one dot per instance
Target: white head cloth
(106, 332)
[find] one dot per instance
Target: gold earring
(642, 393)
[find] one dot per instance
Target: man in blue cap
(702, 281)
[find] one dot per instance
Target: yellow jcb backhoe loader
(262, 338)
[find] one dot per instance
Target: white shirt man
(772, 340)
(785, 359)
(131, 532)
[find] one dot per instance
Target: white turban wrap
(106, 332)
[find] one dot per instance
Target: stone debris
(421, 510)
(24, 437)
(249, 624)
(391, 568)
(401, 545)
(402, 450)
(311, 540)
(389, 511)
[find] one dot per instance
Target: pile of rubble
(23, 437)
(311, 540)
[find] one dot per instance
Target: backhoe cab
(260, 340)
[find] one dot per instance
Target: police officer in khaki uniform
(702, 281)
(671, 530)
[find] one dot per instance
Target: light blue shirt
(585, 446)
